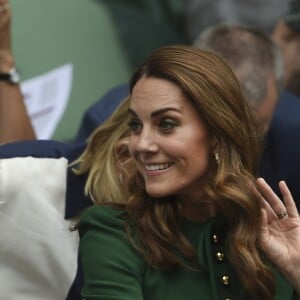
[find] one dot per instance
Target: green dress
(113, 270)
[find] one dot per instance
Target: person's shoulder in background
(282, 146)
(101, 110)
(41, 149)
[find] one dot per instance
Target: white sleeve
(38, 252)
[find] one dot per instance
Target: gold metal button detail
(225, 280)
(220, 256)
(215, 238)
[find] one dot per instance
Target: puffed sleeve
(112, 269)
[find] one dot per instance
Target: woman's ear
(214, 144)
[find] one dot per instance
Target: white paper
(46, 97)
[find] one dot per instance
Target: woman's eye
(134, 125)
(167, 124)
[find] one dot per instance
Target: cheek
(199, 158)
(196, 154)
(202, 150)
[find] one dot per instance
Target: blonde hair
(104, 156)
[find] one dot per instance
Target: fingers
(288, 200)
(4, 6)
(4, 2)
(274, 203)
(264, 217)
(5, 22)
(266, 207)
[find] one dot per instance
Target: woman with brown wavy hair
(191, 221)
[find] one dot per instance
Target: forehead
(150, 91)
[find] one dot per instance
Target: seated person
(287, 36)
(40, 201)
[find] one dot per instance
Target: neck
(197, 211)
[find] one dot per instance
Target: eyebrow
(157, 112)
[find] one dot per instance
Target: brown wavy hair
(209, 83)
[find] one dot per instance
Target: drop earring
(217, 157)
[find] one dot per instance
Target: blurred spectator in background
(201, 14)
(287, 37)
(281, 19)
(255, 60)
(144, 25)
(41, 199)
(257, 63)
(14, 121)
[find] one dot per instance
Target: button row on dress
(220, 257)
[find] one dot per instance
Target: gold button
(215, 238)
(220, 256)
(225, 279)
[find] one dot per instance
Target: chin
(158, 192)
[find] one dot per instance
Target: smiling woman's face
(169, 140)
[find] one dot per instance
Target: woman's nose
(146, 142)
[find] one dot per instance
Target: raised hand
(5, 22)
(280, 231)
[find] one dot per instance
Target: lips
(156, 167)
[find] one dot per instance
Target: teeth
(157, 167)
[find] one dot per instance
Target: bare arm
(14, 121)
